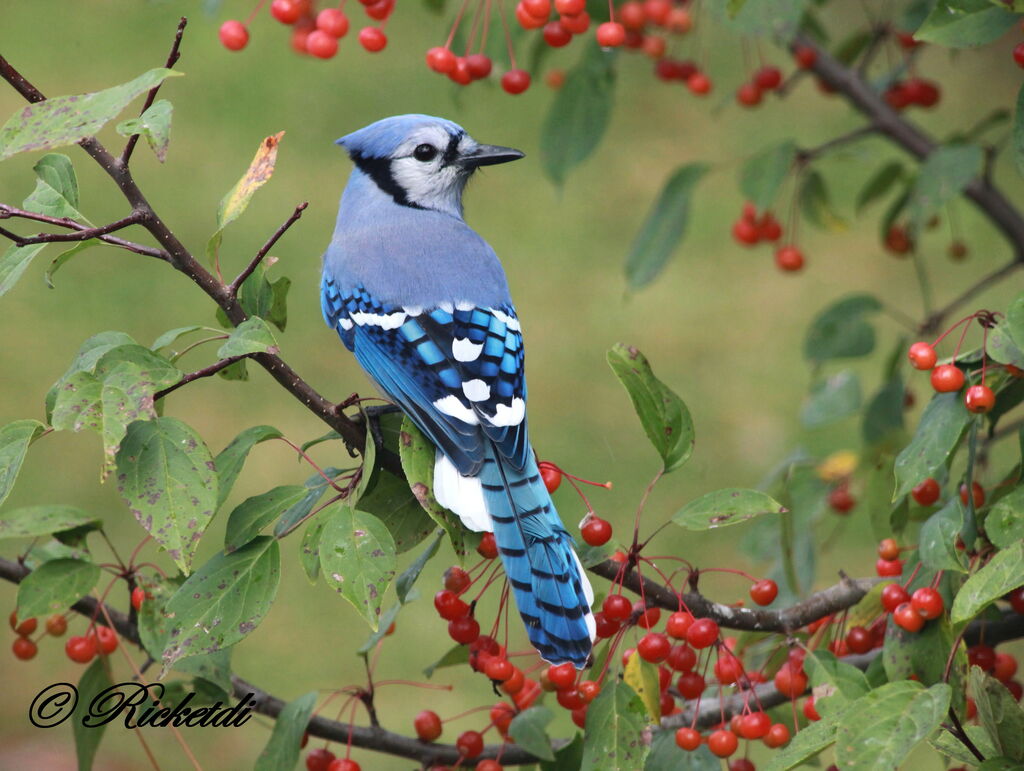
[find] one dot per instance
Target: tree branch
(6, 212)
(235, 285)
(847, 593)
(78, 235)
(213, 369)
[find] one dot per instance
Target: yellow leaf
(642, 677)
(838, 465)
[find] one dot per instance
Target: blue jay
(422, 301)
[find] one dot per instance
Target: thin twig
(235, 285)
(213, 369)
(7, 211)
(79, 235)
(172, 59)
(934, 321)
(805, 156)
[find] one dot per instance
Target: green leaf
(528, 729)
(1001, 764)
(726, 507)
(231, 459)
(938, 434)
(14, 441)
(952, 747)
(880, 729)
(214, 668)
(1004, 523)
(841, 331)
(282, 750)
(309, 550)
(832, 399)
(118, 391)
(56, 193)
(611, 739)
(168, 480)
(665, 756)
(778, 19)
(999, 714)
(579, 114)
(90, 352)
(455, 656)
(171, 336)
(937, 540)
(804, 745)
(763, 175)
(14, 262)
(251, 336)
(387, 618)
(816, 206)
(55, 586)
(58, 262)
(418, 454)
(880, 183)
(836, 683)
(154, 124)
(883, 416)
(1001, 346)
(253, 514)
(568, 757)
(258, 296)
(942, 177)
(299, 512)
(665, 226)
(64, 120)
(964, 23)
(922, 654)
(223, 601)
(88, 730)
(237, 199)
(34, 521)
(393, 503)
(1004, 572)
(663, 415)
(404, 583)
(357, 554)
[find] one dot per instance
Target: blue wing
(456, 371)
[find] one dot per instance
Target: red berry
(464, 630)
(682, 658)
(1004, 667)
(24, 628)
(56, 625)
(456, 579)
(24, 648)
(319, 759)
(679, 624)
(570, 7)
(768, 78)
(769, 229)
(648, 617)
(460, 72)
(654, 647)
(577, 24)
(805, 57)
(344, 764)
(549, 472)
(81, 649)
(894, 595)
(906, 617)
(499, 669)
(889, 568)
(702, 633)
(748, 95)
(589, 690)
(1015, 688)
(790, 681)
(746, 232)
(527, 694)
(527, 20)
(470, 744)
(981, 656)
(755, 725)
(632, 15)
(611, 34)
(922, 356)
(106, 640)
(699, 84)
(1018, 54)
(809, 710)
(322, 45)
(562, 676)
(488, 764)
(927, 492)
(840, 498)
(372, 39)
(286, 11)
(380, 10)
(657, 11)
(488, 548)
(728, 668)
(888, 549)
(300, 35)
(722, 743)
(789, 258)
(333, 22)
(449, 606)
(764, 591)
(859, 640)
(570, 699)
(233, 35)
(977, 494)
(947, 377)
(616, 607)
(979, 399)
(605, 627)
(596, 531)
(540, 9)
(501, 715)
(654, 46)
(687, 738)
(138, 596)
(679, 20)
(515, 81)
(556, 36)
(427, 725)
(690, 685)
(1016, 600)
(480, 67)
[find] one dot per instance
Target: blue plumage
(423, 303)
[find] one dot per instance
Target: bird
(423, 303)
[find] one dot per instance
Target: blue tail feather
(539, 561)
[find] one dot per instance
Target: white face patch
(450, 405)
(387, 321)
(431, 184)
(476, 390)
(508, 415)
(466, 349)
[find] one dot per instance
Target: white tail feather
(588, 592)
(463, 495)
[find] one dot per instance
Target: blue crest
(381, 139)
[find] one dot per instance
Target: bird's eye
(424, 153)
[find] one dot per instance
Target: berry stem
(256, 10)
(508, 35)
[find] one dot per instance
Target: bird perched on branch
(422, 301)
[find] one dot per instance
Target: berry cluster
(314, 33)
(82, 649)
(751, 229)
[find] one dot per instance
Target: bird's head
(421, 161)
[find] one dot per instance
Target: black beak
(489, 155)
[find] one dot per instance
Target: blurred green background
(722, 326)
